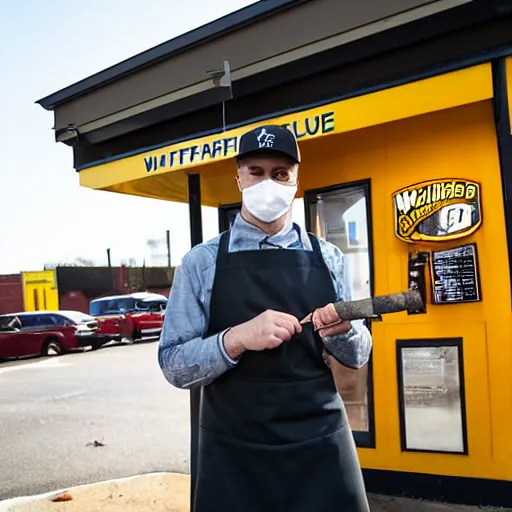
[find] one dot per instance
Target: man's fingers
(274, 342)
(289, 322)
(340, 328)
(282, 333)
(326, 315)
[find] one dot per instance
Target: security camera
(221, 76)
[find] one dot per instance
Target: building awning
(106, 113)
(161, 173)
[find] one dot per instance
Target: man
(274, 435)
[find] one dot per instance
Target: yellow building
(404, 132)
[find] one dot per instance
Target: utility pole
(168, 238)
(112, 277)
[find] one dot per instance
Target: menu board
(455, 276)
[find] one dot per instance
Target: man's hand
(267, 330)
(328, 323)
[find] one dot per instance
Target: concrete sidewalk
(169, 492)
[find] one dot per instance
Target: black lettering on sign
(311, 126)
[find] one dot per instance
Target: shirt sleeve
(188, 359)
(353, 348)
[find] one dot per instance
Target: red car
(135, 316)
(45, 333)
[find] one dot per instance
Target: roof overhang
(146, 89)
(162, 173)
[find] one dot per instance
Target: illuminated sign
(437, 210)
(223, 146)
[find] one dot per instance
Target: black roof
(228, 23)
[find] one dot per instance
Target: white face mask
(268, 200)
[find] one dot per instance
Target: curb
(5, 505)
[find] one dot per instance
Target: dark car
(46, 333)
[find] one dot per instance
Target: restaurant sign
(437, 210)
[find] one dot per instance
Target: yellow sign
(219, 147)
(437, 210)
(40, 290)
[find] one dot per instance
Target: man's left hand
(327, 322)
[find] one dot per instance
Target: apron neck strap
(315, 244)
(224, 242)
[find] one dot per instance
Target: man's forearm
(352, 349)
(195, 363)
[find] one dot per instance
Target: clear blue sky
(46, 45)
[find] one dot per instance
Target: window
(341, 215)
(8, 323)
(431, 396)
(29, 320)
(107, 306)
(47, 320)
(227, 215)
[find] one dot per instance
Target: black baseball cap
(269, 138)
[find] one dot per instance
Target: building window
(431, 396)
(342, 215)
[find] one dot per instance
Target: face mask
(268, 200)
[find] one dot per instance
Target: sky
(45, 216)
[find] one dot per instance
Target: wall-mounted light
(68, 135)
(221, 78)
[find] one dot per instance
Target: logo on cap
(265, 139)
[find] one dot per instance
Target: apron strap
(224, 242)
(315, 244)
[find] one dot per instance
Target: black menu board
(455, 276)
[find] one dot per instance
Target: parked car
(135, 316)
(46, 333)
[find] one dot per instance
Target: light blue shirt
(188, 358)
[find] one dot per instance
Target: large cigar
(366, 308)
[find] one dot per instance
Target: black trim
(196, 237)
(426, 343)
(503, 129)
(362, 439)
(417, 32)
(451, 489)
(295, 94)
(194, 208)
(225, 213)
(201, 35)
(431, 27)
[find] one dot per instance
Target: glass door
(341, 215)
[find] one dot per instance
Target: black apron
(274, 435)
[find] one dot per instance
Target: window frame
(225, 213)
(362, 439)
(431, 343)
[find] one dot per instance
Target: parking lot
(89, 416)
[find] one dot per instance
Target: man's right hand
(267, 330)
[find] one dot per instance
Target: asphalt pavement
(87, 417)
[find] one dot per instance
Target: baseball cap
(269, 138)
